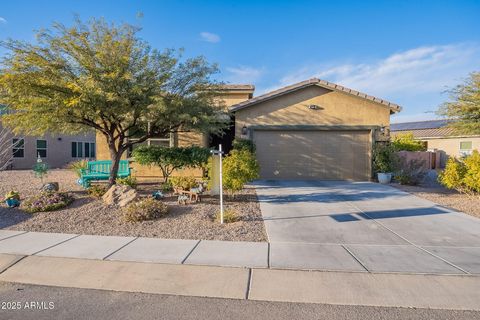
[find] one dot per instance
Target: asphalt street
(42, 302)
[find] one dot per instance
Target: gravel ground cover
(90, 216)
(449, 198)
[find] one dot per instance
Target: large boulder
(120, 195)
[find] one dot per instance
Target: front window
(18, 147)
(42, 148)
(465, 148)
(83, 149)
(164, 141)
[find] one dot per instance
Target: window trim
(23, 148)
(465, 152)
(37, 148)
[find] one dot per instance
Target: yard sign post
(219, 152)
(221, 183)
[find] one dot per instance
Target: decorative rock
(157, 195)
(120, 195)
(50, 187)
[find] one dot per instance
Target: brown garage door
(323, 155)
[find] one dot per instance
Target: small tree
(239, 168)
(464, 107)
(244, 144)
(406, 142)
(103, 76)
(6, 148)
(171, 159)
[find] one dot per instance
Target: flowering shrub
(47, 201)
(145, 209)
(462, 175)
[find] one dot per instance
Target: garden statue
(40, 169)
(12, 199)
(157, 195)
(50, 187)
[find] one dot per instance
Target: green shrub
(166, 187)
(97, 190)
(128, 181)
(145, 209)
(229, 216)
(78, 166)
(185, 183)
(47, 201)
(239, 168)
(409, 172)
(406, 142)
(452, 176)
(171, 159)
(244, 144)
(383, 158)
(471, 179)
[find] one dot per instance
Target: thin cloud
(209, 37)
(3, 20)
(416, 79)
(243, 74)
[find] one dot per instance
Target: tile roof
(419, 125)
(314, 81)
(237, 87)
(427, 133)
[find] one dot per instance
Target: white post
(221, 183)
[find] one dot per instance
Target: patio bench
(100, 170)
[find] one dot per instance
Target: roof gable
(313, 82)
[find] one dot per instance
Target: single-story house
(314, 129)
(440, 137)
(55, 150)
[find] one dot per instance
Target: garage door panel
(327, 155)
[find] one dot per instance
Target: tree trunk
(115, 155)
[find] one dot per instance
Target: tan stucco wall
(337, 108)
(451, 146)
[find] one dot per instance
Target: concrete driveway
(362, 226)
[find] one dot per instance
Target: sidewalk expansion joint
(14, 235)
(115, 251)
(11, 264)
(268, 255)
(56, 244)
(191, 251)
(355, 257)
(249, 284)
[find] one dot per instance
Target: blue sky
(408, 52)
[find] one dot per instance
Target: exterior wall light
(244, 132)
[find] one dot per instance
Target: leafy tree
(103, 76)
(239, 167)
(171, 159)
(406, 142)
(464, 107)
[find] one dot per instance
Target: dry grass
(90, 216)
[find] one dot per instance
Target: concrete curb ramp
(399, 290)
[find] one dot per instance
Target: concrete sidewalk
(458, 292)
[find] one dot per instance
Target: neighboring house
(310, 130)
(55, 150)
(438, 136)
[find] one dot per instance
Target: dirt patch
(449, 198)
(91, 216)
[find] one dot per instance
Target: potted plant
(383, 158)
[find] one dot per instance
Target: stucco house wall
(335, 108)
(59, 150)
